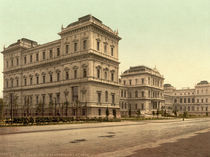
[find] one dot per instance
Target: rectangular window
(84, 44)
(83, 112)
(50, 98)
(99, 111)
(37, 99)
(12, 62)
(25, 60)
(43, 98)
(105, 48)
(105, 75)
(74, 93)
(67, 75)
(67, 49)
(112, 51)
(43, 55)
(98, 45)
(75, 47)
(58, 51)
(17, 82)
(37, 57)
(112, 76)
(43, 78)
(142, 106)
(75, 73)
(31, 58)
(58, 97)
(51, 53)
(25, 81)
(11, 83)
(98, 73)
(142, 81)
(136, 81)
(130, 81)
(84, 73)
(58, 76)
(99, 97)
(113, 98)
(31, 80)
(51, 78)
(106, 96)
(17, 61)
(124, 82)
(142, 93)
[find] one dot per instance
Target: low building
(141, 91)
(194, 101)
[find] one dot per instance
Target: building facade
(141, 91)
(194, 101)
(75, 76)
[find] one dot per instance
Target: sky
(173, 35)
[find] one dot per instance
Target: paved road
(100, 139)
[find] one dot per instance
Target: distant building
(168, 98)
(75, 76)
(194, 101)
(141, 91)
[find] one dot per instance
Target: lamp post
(66, 93)
(11, 107)
(55, 107)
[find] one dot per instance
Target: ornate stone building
(141, 91)
(194, 101)
(76, 75)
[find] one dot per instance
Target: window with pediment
(12, 62)
(84, 44)
(58, 51)
(98, 71)
(67, 48)
(25, 81)
(106, 96)
(37, 78)
(58, 74)
(112, 75)
(31, 58)
(25, 59)
(105, 47)
(31, 79)
(37, 57)
(43, 55)
(11, 82)
(75, 47)
(17, 81)
(51, 53)
(112, 50)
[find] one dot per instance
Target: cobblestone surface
(99, 139)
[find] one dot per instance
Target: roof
(203, 82)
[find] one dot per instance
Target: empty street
(107, 139)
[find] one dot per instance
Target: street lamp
(55, 107)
